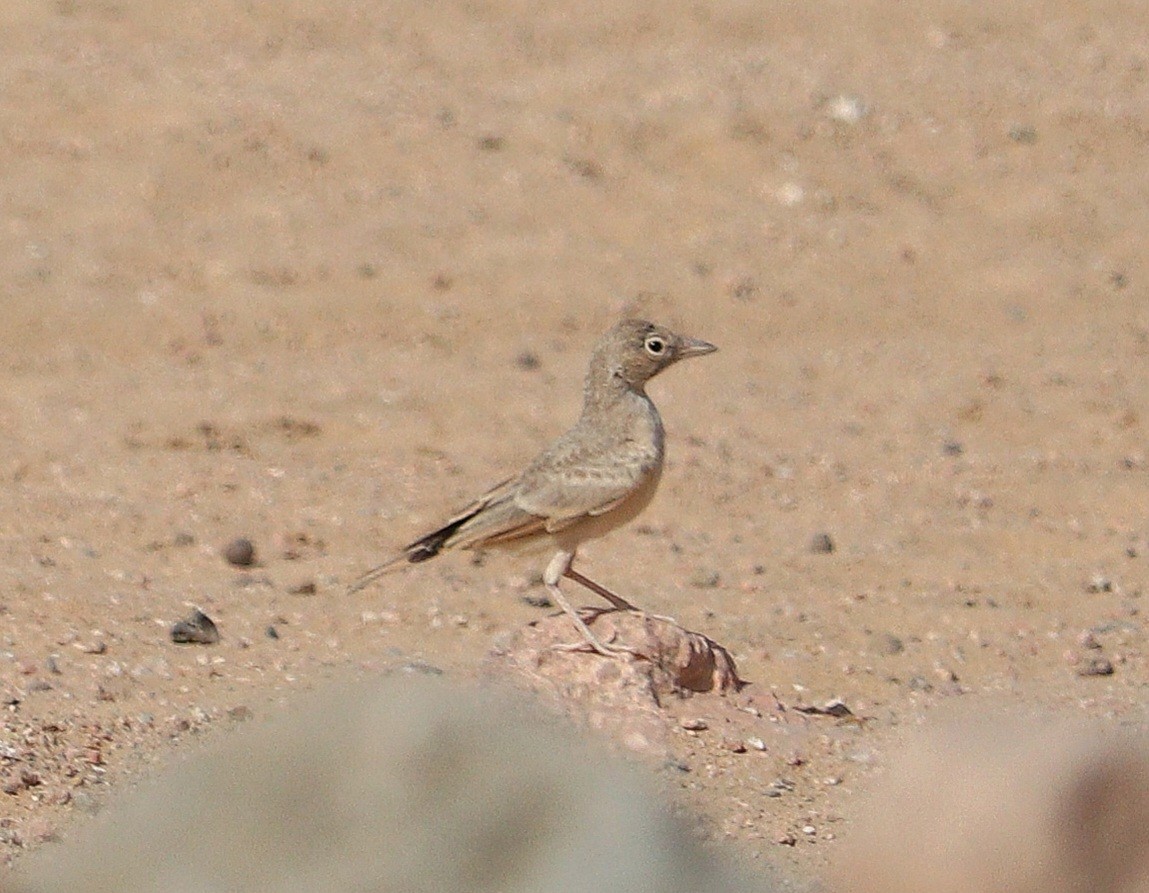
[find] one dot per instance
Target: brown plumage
(595, 478)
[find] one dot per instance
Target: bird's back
(588, 472)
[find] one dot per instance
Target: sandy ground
(317, 274)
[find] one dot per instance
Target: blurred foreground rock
(399, 786)
(998, 805)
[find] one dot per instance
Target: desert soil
(315, 273)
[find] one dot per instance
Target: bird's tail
(376, 572)
(423, 548)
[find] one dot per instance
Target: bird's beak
(694, 347)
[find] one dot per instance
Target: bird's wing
(495, 517)
(570, 486)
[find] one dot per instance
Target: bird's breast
(645, 433)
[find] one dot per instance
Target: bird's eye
(655, 346)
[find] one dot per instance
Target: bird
(595, 478)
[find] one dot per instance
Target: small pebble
(734, 745)
(756, 743)
(1023, 133)
(240, 552)
(945, 674)
(1088, 640)
(694, 725)
(822, 544)
(198, 629)
(1099, 583)
(1096, 666)
(528, 360)
(790, 194)
(743, 288)
(920, 683)
(272, 632)
(846, 109)
(705, 579)
(307, 587)
(420, 668)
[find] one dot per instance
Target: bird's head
(635, 351)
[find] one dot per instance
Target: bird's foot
(592, 645)
(638, 612)
(590, 641)
(589, 612)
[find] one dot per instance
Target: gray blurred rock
(399, 786)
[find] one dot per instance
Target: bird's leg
(614, 598)
(598, 589)
(560, 566)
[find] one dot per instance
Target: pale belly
(595, 526)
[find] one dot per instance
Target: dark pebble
(528, 360)
(822, 544)
(705, 579)
(240, 552)
(307, 587)
(539, 601)
(272, 632)
(198, 629)
(1023, 133)
(1096, 666)
(920, 683)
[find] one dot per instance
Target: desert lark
(598, 476)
